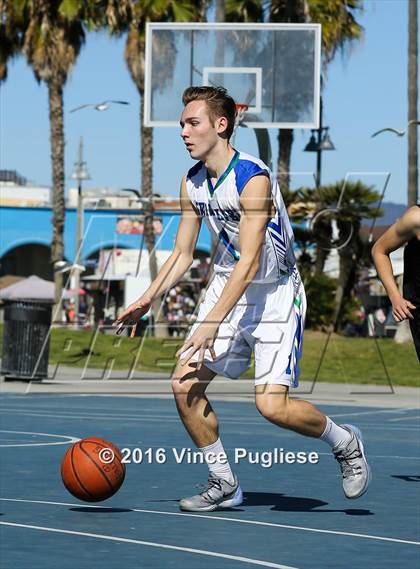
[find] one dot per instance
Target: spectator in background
(69, 312)
(99, 298)
(179, 309)
(203, 270)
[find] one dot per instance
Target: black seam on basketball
(114, 448)
(76, 475)
(98, 467)
(116, 451)
(93, 442)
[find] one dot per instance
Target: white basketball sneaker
(218, 494)
(354, 467)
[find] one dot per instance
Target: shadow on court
(407, 477)
(281, 503)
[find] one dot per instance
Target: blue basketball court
(293, 516)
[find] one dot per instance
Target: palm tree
(286, 11)
(131, 16)
(10, 36)
(357, 202)
(52, 36)
(339, 28)
(244, 10)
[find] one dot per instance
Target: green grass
(347, 360)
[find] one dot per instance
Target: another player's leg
(346, 441)
(223, 490)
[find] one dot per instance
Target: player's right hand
(131, 315)
(401, 309)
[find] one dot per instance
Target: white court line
(151, 417)
(84, 409)
(163, 419)
(357, 413)
(68, 440)
(226, 519)
(258, 448)
(379, 456)
(104, 416)
(90, 411)
(145, 413)
(153, 544)
(416, 417)
(71, 440)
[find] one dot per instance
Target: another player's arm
(175, 266)
(398, 234)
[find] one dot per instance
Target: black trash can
(26, 339)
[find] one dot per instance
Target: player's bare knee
(274, 409)
(188, 391)
(181, 386)
(190, 382)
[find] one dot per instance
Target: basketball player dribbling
(255, 301)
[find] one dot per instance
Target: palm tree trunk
(220, 10)
(55, 99)
(347, 276)
(149, 234)
(413, 182)
(345, 285)
(287, 11)
(285, 138)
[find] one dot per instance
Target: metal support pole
(79, 238)
(80, 173)
(319, 151)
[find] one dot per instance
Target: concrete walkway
(152, 384)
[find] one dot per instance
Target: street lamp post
(319, 144)
(141, 200)
(80, 173)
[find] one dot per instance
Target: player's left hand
(202, 340)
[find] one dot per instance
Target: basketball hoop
(241, 109)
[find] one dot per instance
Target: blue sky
(365, 91)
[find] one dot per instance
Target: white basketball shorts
(269, 320)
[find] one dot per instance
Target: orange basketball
(92, 469)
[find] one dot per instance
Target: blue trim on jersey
(194, 170)
(276, 235)
(224, 237)
(277, 227)
(296, 350)
(245, 170)
(223, 177)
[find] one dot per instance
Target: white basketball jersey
(220, 208)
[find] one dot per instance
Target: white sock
(221, 467)
(334, 435)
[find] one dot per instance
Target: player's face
(199, 134)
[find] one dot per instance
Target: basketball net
(241, 109)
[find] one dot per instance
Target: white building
(15, 190)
